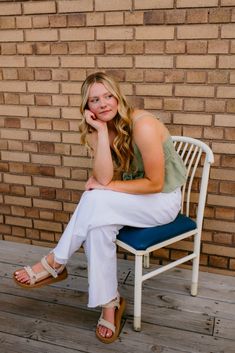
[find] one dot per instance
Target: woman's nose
(103, 103)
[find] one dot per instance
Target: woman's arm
(99, 142)
(148, 135)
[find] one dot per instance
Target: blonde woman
(135, 181)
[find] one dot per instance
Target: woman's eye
(94, 100)
(109, 96)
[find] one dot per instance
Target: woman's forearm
(103, 164)
(137, 186)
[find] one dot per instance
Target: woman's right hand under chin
(92, 120)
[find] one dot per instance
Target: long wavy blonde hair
(123, 150)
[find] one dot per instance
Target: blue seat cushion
(142, 238)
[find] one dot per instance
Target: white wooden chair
(197, 157)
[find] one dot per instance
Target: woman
(136, 181)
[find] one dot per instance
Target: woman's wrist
(103, 129)
(111, 185)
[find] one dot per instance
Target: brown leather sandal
(119, 304)
(47, 276)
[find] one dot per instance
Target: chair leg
(138, 292)
(195, 267)
(146, 261)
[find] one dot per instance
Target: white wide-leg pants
(96, 222)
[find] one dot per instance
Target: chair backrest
(197, 157)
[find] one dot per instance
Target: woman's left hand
(92, 183)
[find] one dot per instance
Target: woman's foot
(41, 274)
(108, 315)
(109, 324)
(23, 277)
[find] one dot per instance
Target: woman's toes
(108, 333)
(21, 276)
(104, 332)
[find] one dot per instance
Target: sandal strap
(31, 274)
(107, 324)
(48, 268)
(34, 277)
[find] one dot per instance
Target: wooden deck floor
(56, 319)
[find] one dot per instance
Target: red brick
(137, 47)
(153, 4)
(7, 22)
(59, 48)
(42, 74)
(25, 48)
(76, 20)
(223, 238)
(40, 22)
(114, 18)
(7, 9)
(227, 31)
(154, 17)
(106, 5)
(155, 32)
(216, 106)
(197, 3)
(12, 122)
(58, 21)
(196, 76)
(153, 47)
(39, 7)
(95, 19)
(196, 47)
(43, 100)
(8, 49)
(175, 16)
(134, 18)
(175, 47)
(75, 6)
(10, 74)
(220, 15)
(194, 104)
(197, 31)
(197, 16)
(23, 22)
(218, 261)
(218, 77)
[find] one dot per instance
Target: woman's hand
(92, 120)
(92, 183)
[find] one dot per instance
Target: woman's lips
(105, 111)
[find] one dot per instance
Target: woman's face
(102, 103)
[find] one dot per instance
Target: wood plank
(225, 328)
(155, 297)
(151, 339)
(57, 319)
(189, 342)
(15, 344)
(171, 281)
(181, 302)
(62, 335)
(24, 252)
(209, 290)
(161, 310)
(43, 310)
(161, 316)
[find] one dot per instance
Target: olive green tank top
(175, 172)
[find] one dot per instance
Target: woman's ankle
(51, 261)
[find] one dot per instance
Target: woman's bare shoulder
(139, 113)
(143, 121)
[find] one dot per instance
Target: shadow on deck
(55, 319)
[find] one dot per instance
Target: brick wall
(175, 58)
